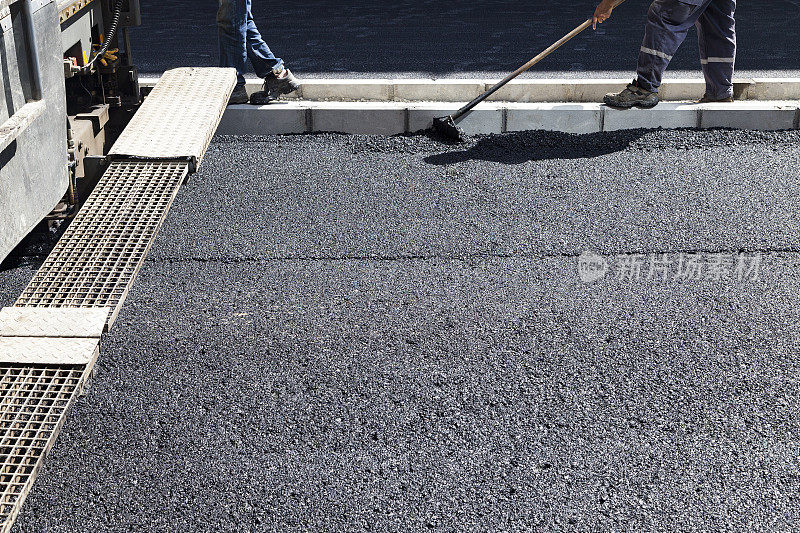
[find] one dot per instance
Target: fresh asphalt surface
(462, 38)
(347, 333)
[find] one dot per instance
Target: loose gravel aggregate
(357, 333)
(529, 193)
(14, 280)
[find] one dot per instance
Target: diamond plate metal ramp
(179, 117)
(48, 351)
(53, 322)
(45, 336)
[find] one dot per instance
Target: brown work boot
(275, 85)
(632, 96)
(706, 100)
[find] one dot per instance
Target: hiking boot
(275, 85)
(632, 96)
(706, 100)
(238, 96)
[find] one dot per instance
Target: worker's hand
(602, 13)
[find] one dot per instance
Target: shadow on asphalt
(34, 248)
(521, 147)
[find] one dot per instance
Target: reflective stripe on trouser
(668, 22)
(716, 31)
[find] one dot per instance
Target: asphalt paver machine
(69, 88)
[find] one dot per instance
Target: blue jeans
(668, 22)
(239, 40)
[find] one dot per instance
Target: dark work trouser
(239, 40)
(668, 22)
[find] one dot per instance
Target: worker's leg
(668, 22)
(278, 79)
(263, 60)
(232, 32)
(716, 31)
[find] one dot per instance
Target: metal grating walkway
(33, 402)
(95, 262)
(92, 267)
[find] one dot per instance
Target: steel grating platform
(50, 340)
(96, 260)
(33, 402)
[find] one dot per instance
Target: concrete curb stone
(389, 118)
(523, 91)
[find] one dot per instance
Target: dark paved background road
(346, 333)
(457, 38)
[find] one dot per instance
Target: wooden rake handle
(550, 49)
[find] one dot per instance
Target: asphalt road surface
(347, 333)
(475, 38)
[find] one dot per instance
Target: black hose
(112, 32)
